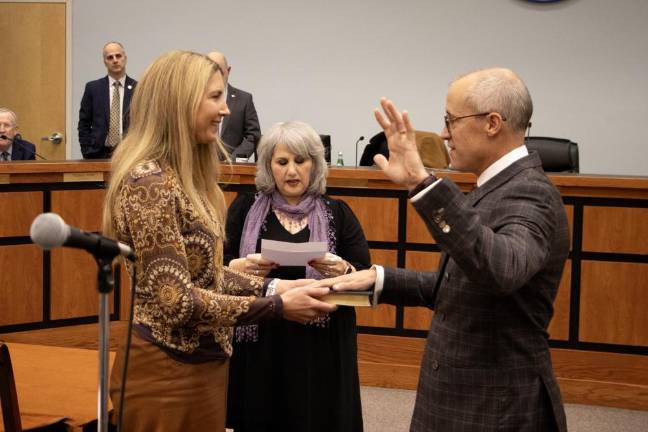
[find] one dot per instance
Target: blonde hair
(162, 128)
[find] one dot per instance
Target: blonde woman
(164, 201)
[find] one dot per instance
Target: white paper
(292, 254)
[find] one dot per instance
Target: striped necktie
(114, 132)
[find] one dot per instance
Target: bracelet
(272, 287)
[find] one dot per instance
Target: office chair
(556, 154)
(377, 145)
(8, 395)
(326, 142)
(432, 149)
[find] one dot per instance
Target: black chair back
(557, 154)
(326, 141)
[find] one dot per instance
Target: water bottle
(340, 160)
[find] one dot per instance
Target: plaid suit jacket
(487, 365)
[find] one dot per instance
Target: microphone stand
(105, 284)
(356, 149)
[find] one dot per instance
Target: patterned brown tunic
(183, 292)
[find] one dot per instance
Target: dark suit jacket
(94, 116)
(486, 365)
(240, 130)
(22, 150)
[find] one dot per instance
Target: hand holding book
(353, 289)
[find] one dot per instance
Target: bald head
(499, 90)
(114, 58)
(220, 59)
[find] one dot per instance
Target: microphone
(49, 230)
(18, 140)
(356, 149)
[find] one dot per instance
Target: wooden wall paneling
(74, 284)
(80, 208)
(559, 325)
(229, 197)
(569, 209)
(378, 216)
(389, 361)
(419, 318)
(21, 284)
(613, 303)
(383, 315)
(598, 378)
(18, 210)
(417, 232)
(615, 229)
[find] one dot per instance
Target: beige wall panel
(21, 284)
(18, 210)
(615, 229)
(74, 284)
(559, 325)
(417, 232)
(80, 208)
(614, 303)
(383, 315)
(378, 216)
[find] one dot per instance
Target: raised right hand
(404, 166)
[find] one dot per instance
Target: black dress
(297, 378)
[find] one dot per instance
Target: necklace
(293, 226)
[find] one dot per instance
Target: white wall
(328, 62)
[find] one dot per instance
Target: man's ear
(494, 124)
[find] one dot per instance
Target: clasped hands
(301, 298)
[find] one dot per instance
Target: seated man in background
(12, 146)
(240, 131)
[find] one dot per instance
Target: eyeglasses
(450, 120)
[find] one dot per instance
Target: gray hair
(501, 90)
(13, 115)
(301, 139)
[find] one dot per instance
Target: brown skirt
(163, 394)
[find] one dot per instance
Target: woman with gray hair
(294, 377)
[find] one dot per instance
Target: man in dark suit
(487, 365)
(377, 145)
(240, 130)
(12, 146)
(98, 135)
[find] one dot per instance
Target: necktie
(4, 156)
(114, 133)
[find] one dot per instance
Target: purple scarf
(311, 206)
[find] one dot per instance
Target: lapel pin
(130, 87)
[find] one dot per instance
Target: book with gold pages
(349, 298)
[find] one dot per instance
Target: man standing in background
(240, 131)
(103, 116)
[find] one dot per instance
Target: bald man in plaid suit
(486, 365)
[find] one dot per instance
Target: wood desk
(599, 334)
(55, 383)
